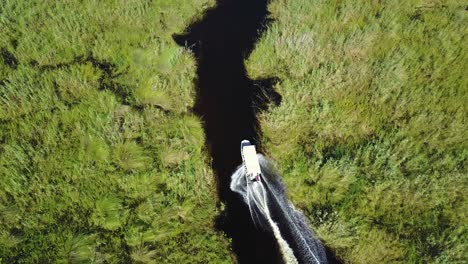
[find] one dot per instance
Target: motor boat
(250, 161)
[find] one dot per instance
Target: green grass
(371, 135)
(101, 160)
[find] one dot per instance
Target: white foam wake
(258, 194)
(271, 210)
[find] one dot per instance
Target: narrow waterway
(227, 101)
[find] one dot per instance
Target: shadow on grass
(227, 101)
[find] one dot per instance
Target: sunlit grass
(100, 158)
(371, 134)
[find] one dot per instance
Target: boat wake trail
(270, 210)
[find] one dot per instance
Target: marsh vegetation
(103, 157)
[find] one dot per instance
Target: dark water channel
(227, 102)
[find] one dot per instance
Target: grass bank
(101, 160)
(371, 135)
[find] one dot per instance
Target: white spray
(256, 195)
(264, 193)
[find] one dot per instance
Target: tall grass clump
(371, 135)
